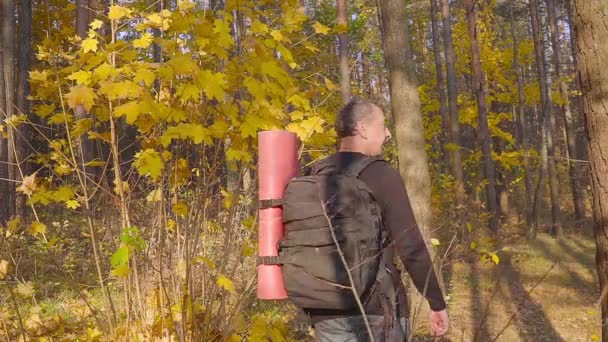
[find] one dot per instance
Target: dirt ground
(545, 290)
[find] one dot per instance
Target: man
(361, 130)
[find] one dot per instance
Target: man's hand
(439, 322)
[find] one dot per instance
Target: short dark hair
(354, 111)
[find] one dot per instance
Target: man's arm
(390, 193)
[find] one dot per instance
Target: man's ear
(362, 130)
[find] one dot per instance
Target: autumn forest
(128, 158)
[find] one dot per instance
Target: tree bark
(484, 131)
(8, 54)
(23, 89)
(343, 52)
(581, 152)
(85, 145)
(591, 23)
(406, 112)
(4, 198)
(522, 120)
(450, 61)
(440, 87)
(556, 227)
(573, 169)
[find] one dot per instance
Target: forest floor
(544, 290)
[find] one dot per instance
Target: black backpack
(314, 274)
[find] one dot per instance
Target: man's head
(360, 127)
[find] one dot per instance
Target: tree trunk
(484, 131)
(573, 170)
(85, 145)
(443, 107)
(4, 198)
(591, 23)
(450, 61)
(581, 151)
(556, 227)
(407, 116)
(8, 54)
(522, 120)
(343, 51)
(23, 89)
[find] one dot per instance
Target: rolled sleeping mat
(277, 164)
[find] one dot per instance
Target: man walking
(362, 133)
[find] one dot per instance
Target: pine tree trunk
(577, 103)
(573, 169)
(8, 54)
(522, 120)
(443, 107)
(85, 145)
(23, 89)
(450, 61)
(4, 198)
(484, 131)
(343, 52)
(556, 227)
(406, 112)
(591, 22)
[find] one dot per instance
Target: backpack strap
(329, 165)
(357, 167)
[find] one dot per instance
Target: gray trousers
(352, 329)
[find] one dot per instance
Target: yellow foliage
(225, 283)
(89, 45)
(118, 12)
(81, 95)
(37, 228)
(144, 41)
(320, 28)
(4, 268)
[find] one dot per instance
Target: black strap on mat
(270, 203)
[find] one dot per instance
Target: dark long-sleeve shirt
(405, 239)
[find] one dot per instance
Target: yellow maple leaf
(341, 28)
(225, 283)
(28, 184)
(81, 95)
(181, 209)
(104, 71)
(154, 195)
(25, 289)
(313, 124)
(72, 204)
(3, 269)
(96, 24)
(149, 162)
(145, 75)
(38, 76)
(259, 27)
(329, 84)
(144, 41)
(117, 12)
(36, 228)
(184, 5)
(81, 77)
(161, 20)
(89, 44)
(320, 28)
(155, 19)
(277, 35)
